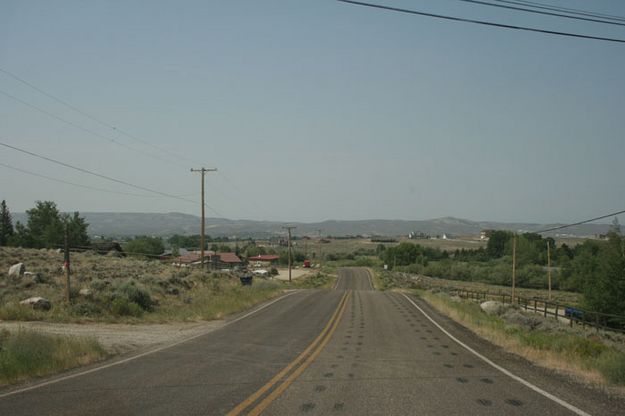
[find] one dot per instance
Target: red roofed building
(263, 260)
(225, 261)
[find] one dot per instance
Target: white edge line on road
(370, 279)
(134, 357)
(503, 370)
(336, 284)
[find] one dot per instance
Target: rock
(36, 277)
(493, 307)
(85, 292)
(37, 303)
(17, 270)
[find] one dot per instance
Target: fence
(571, 315)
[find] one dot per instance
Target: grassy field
(26, 354)
(123, 289)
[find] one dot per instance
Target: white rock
(493, 307)
(17, 270)
(37, 302)
(85, 292)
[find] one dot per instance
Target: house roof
(189, 258)
(228, 257)
(264, 257)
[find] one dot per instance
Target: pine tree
(6, 224)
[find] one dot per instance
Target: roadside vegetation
(113, 289)
(595, 268)
(589, 354)
(25, 354)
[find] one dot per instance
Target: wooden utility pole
(549, 267)
(66, 266)
(203, 228)
(513, 265)
(320, 247)
(289, 228)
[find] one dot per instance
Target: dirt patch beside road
(122, 338)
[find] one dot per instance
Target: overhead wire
(86, 130)
(578, 12)
(480, 22)
(588, 19)
(94, 188)
(92, 117)
(79, 169)
(580, 222)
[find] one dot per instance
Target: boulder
(37, 302)
(492, 307)
(85, 292)
(36, 277)
(17, 270)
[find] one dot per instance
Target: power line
(578, 12)
(92, 117)
(72, 183)
(484, 3)
(86, 130)
(480, 22)
(581, 222)
(108, 178)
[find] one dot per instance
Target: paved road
(349, 351)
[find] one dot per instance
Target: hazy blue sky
(316, 110)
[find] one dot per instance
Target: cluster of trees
(595, 268)
(193, 241)
(45, 227)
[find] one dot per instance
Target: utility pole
(549, 266)
(513, 265)
(203, 228)
(289, 228)
(66, 266)
(320, 248)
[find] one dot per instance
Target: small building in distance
(108, 248)
(225, 261)
(485, 234)
(263, 260)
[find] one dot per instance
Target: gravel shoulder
(122, 338)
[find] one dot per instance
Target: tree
(496, 246)
(616, 226)
(606, 291)
(6, 224)
(45, 228)
(76, 230)
(145, 246)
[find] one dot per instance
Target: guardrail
(565, 313)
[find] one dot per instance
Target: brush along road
(350, 351)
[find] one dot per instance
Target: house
(263, 260)
(108, 247)
(192, 258)
(225, 261)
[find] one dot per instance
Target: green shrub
(130, 291)
(125, 307)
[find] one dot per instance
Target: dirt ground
(122, 338)
(295, 273)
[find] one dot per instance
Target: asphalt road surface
(347, 351)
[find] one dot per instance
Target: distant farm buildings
(215, 261)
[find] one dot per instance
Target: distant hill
(118, 224)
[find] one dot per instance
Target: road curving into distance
(347, 351)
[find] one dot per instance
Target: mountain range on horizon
(120, 224)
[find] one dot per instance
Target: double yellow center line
(295, 368)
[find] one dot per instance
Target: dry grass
(25, 354)
(586, 359)
(123, 289)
